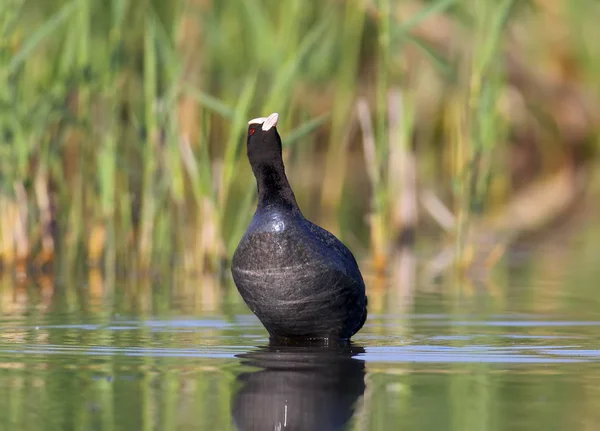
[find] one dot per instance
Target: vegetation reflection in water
(516, 353)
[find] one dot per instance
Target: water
(520, 351)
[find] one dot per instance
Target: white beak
(267, 122)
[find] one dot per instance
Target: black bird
(298, 278)
(300, 388)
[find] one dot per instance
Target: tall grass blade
(41, 34)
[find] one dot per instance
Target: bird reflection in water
(299, 387)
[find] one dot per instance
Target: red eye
(251, 131)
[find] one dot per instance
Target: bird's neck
(273, 186)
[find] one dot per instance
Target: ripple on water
(222, 339)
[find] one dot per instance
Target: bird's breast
(282, 244)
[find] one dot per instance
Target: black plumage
(299, 279)
(299, 387)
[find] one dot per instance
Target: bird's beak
(267, 122)
(271, 121)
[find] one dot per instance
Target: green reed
(123, 123)
(478, 125)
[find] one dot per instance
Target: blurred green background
(122, 124)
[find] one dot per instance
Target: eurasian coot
(299, 279)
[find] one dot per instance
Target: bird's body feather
(298, 278)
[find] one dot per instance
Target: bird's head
(264, 143)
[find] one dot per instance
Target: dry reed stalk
(403, 277)
(378, 237)
(189, 39)
(399, 215)
(364, 117)
(9, 293)
(209, 298)
(46, 217)
(96, 283)
(194, 253)
(437, 210)
(402, 172)
(145, 239)
(6, 284)
(21, 230)
(7, 220)
(96, 243)
(211, 242)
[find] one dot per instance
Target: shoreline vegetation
(122, 125)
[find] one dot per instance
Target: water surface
(519, 351)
